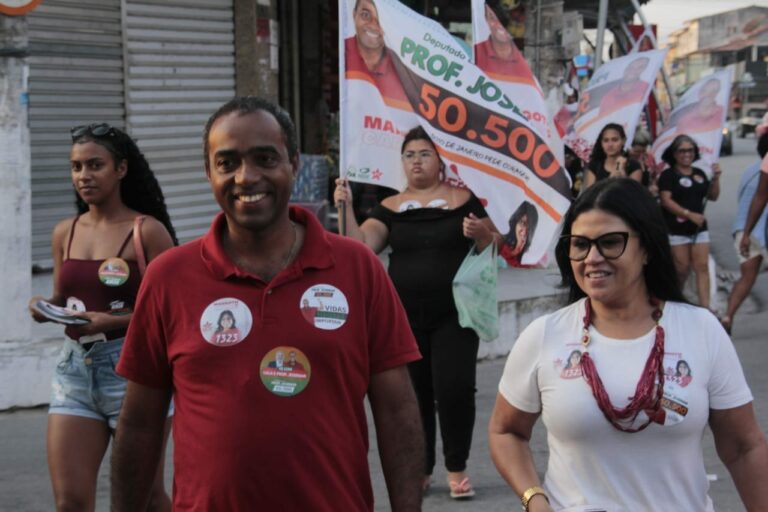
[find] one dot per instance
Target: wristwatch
(530, 493)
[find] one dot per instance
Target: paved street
(24, 484)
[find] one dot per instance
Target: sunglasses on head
(94, 129)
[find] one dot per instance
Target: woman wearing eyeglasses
(431, 226)
(623, 432)
(96, 275)
(684, 191)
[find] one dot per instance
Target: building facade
(735, 39)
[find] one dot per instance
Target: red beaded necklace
(650, 387)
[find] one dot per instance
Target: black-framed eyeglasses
(685, 150)
(609, 245)
(95, 129)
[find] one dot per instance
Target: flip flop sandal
(461, 490)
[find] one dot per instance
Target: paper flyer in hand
(58, 314)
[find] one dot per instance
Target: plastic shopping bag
(474, 292)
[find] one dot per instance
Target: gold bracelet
(530, 493)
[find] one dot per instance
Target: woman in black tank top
(96, 276)
(608, 158)
(431, 226)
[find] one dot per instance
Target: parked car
(726, 147)
(749, 122)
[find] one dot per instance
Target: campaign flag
(643, 38)
(700, 114)
(616, 93)
(496, 54)
(482, 135)
(375, 114)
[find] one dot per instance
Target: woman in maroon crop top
(431, 226)
(95, 274)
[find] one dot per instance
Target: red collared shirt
(250, 433)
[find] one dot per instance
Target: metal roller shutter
(180, 59)
(75, 77)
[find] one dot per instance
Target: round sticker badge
(75, 304)
(226, 322)
(114, 272)
(324, 306)
(685, 182)
(285, 371)
(409, 205)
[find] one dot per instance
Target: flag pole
(341, 208)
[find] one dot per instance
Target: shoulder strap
(138, 247)
(72, 234)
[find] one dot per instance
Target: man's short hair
(248, 105)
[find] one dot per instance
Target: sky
(669, 15)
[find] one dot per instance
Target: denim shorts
(701, 238)
(85, 383)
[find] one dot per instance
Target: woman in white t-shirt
(624, 429)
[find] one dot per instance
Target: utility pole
(602, 23)
(542, 49)
(256, 48)
(15, 181)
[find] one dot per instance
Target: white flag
(700, 114)
(617, 93)
(483, 136)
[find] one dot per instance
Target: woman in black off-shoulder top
(430, 227)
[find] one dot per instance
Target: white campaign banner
(486, 141)
(700, 114)
(616, 93)
(496, 54)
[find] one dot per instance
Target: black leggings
(445, 376)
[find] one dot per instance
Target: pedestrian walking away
(98, 258)
(757, 254)
(270, 332)
(627, 332)
(431, 226)
(756, 208)
(684, 191)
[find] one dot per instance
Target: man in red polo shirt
(249, 435)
